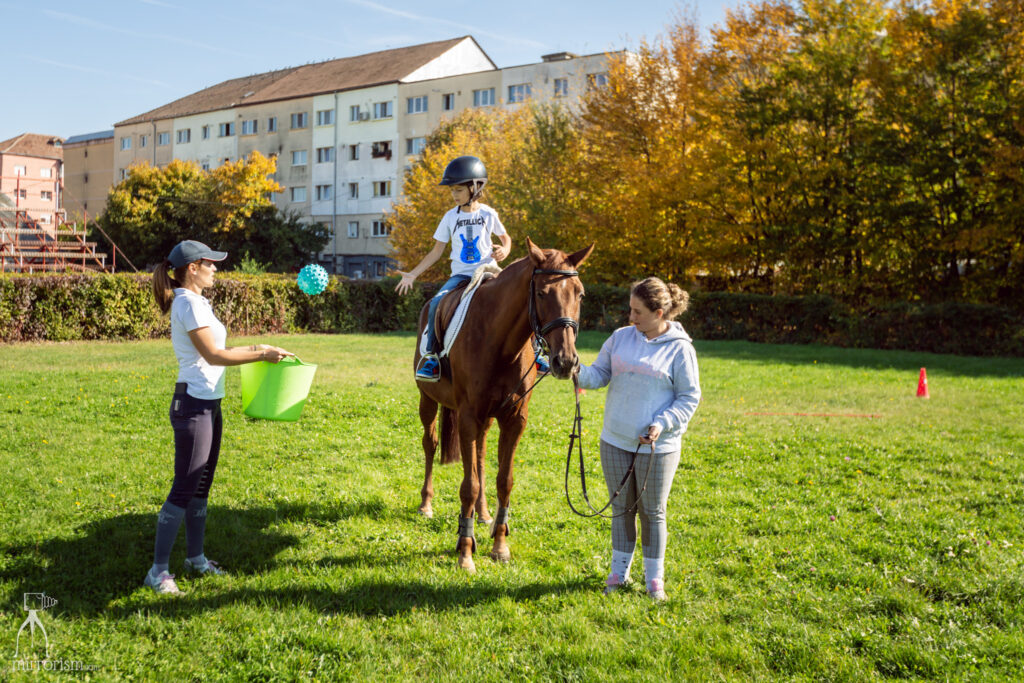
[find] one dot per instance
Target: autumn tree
(229, 207)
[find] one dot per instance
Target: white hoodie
(651, 381)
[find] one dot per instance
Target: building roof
(89, 137)
(34, 145)
(349, 73)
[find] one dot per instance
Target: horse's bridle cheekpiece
(535, 325)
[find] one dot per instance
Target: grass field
(801, 547)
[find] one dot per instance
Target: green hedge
(86, 306)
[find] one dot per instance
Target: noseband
(535, 325)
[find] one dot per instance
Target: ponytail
(164, 285)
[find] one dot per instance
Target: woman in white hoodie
(650, 369)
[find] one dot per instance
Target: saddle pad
(482, 274)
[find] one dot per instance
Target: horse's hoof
(502, 555)
(484, 520)
(426, 511)
(466, 564)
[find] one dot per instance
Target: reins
(576, 438)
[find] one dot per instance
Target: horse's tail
(450, 450)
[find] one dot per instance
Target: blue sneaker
(429, 370)
(543, 367)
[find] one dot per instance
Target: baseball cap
(190, 251)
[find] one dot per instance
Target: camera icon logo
(33, 603)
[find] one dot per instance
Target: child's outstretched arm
(501, 253)
(405, 284)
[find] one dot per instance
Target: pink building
(31, 176)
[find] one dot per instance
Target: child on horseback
(469, 227)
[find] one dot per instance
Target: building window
(272, 124)
(205, 165)
(249, 127)
(124, 173)
(353, 152)
(382, 110)
(417, 105)
(163, 139)
(382, 188)
(226, 129)
(85, 178)
(448, 101)
(46, 173)
(518, 93)
(324, 155)
(379, 268)
(353, 228)
(381, 229)
(184, 136)
(300, 120)
(353, 190)
(325, 117)
(415, 145)
(299, 157)
(323, 192)
(597, 80)
(354, 114)
(126, 143)
(47, 195)
(45, 218)
(483, 98)
(561, 87)
(143, 141)
(381, 149)
(206, 133)
(298, 194)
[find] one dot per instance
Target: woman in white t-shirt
(469, 227)
(198, 340)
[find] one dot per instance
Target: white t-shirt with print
(190, 311)
(470, 236)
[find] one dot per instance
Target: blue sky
(79, 67)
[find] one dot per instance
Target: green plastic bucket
(276, 391)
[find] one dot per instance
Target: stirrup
(429, 369)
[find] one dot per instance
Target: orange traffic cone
(922, 385)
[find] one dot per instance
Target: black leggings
(197, 427)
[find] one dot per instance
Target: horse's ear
(536, 254)
(580, 256)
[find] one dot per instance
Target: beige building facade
(31, 171)
(344, 131)
(88, 174)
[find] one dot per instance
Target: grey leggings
(653, 499)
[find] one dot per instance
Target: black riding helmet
(467, 170)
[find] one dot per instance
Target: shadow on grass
(104, 562)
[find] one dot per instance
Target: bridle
(539, 343)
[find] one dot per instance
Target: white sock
(156, 569)
(654, 568)
(620, 564)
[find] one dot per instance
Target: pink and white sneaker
(656, 590)
(163, 583)
(613, 583)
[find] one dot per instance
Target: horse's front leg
(512, 428)
(483, 515)
(471, 433)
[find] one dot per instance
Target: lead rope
(576, 438)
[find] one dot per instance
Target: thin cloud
(525, 42)
(100, 72)
(159, 4)
(90, 23)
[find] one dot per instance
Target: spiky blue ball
(312, 279)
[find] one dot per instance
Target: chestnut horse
(492, 370)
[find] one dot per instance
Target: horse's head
(555, 296)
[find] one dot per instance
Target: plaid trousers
(653, 499)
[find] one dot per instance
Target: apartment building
(88, 174)
(31, 167)
(344, 131)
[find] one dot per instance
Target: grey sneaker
(164, 583)
(211, 568)
(656, 590)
